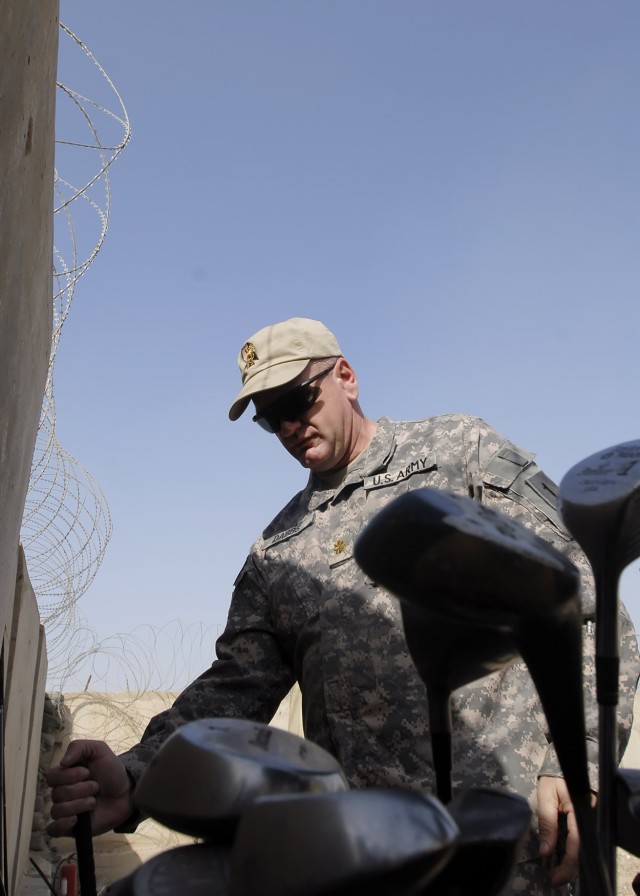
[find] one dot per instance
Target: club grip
(84, 852)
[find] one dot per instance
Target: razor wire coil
(67, 524)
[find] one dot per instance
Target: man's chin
(310, 459)
(309, 463)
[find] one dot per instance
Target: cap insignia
(249, 355)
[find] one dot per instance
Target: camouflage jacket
(303, 610)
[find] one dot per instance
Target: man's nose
(288, 427)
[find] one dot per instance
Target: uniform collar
(376, 456)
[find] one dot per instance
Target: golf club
(449, 654)
(465, 562)
(493, 826)
(627, 801)
(600, 505)
(209, 770)
(378, 842)
(83, 837)
(84, 853)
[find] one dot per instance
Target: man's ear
(348, 378)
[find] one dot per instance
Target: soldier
(302, 610)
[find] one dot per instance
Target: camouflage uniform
(303, 610)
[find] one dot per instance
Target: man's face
(323, 436)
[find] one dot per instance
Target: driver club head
(493, 828)
(378, 842)
(599, 504)
(208, 771)
(449, 654)
(465, 562)
(465, 575)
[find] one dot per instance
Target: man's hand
(90, 778)
(553, 800)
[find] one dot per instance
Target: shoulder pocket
(506, 465)
(513, 471)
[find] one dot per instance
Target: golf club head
(627, 803)
(449, 654)
(208, 771)
(200, 869)
(463, 560)
(493, 828)
(452, 559)
(599, 504)
(378, 842)
(468, 563)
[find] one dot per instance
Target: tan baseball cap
(276, 355)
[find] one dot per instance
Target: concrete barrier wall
(28, 50)
(24, 701)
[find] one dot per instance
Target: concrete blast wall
(28, 50)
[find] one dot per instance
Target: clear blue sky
(454, 188)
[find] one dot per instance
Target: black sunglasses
(292, 405)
